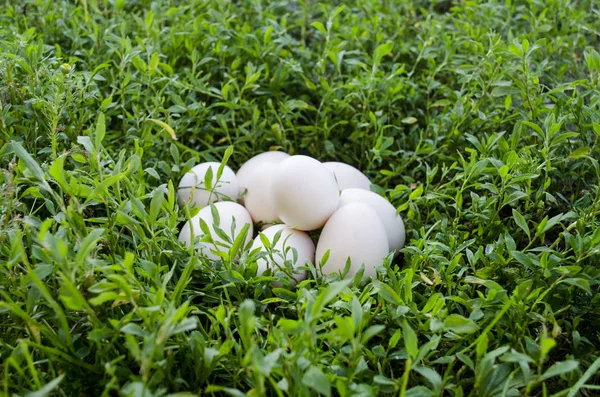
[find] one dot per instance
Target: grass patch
(479, 121)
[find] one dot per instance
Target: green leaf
(515, 49)
(264, 240)
(87, 245)
(269, 361)
(536, 128)
(216, 217)
(357, 313)
(134, 329)
(563, 137)
(326, 296)
(459, 324)
(416, 193)
(208, 181)
(247, 321)
(578, 282)
(560, 368)
(222, 235)
(501, 91)
(186, 325)
(371, 332)
(387, 293)
(503, 171)
(104, 297)
(543, 227)
(590, 372)
(204, 228)
(315, 379)
(523, 259)
(482, 345)
(165, 127)
(158, 197)
(546, 345)
(58, 173)
(70, 295)
(324, 259)
(337, 11)
(233, 277)
(521, 222)
(466, 360)
(525, 45)
(276, 238)
(522, 290)
(47, 389)
(579, 153)
(184, 280)
(411, 344)
(100, 131)
(434, 379)
(382, 380)
(239, 241)
(516, 357)
(226, 156)
(319, 26)
(227, 390)
(139, 64)
(383, 50)
(153, 62)
(148, 20)
(102, 189)
(285, 294)
(30, 163)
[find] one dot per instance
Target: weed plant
(479, 121)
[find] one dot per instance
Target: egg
(193, 191)
(347, 176)
(256, 176)
(228, 213)
(394, 226)
(354, 231)
(305, 193)
(288, 240)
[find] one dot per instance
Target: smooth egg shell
(289, 239)
(228, 211)
(256, 176)
(305, 193)
(354, 231)
(192, 189)
(347, 176)
(394, 226)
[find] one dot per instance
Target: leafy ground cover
(479, 121)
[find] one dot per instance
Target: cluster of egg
(290, 195)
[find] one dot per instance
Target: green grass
(479, 121)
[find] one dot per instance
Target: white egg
(354, 231)
(288, 240)
(256, 176)
(228, 212)
(305, 193)
(193, 191)
(394, 226)
(347, 176)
